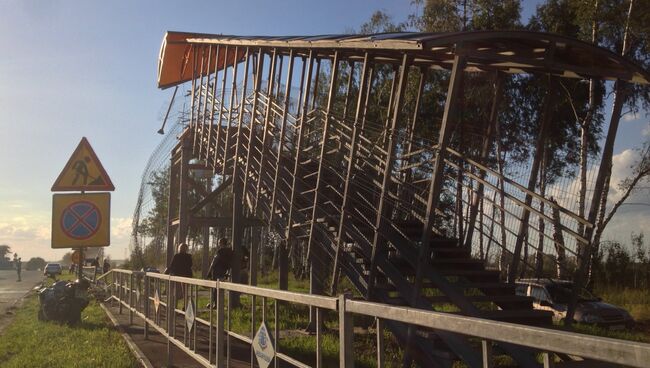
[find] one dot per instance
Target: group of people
(181, 264)
(106, 266)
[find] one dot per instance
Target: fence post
(219, 337)
(146, 306)
(486, 347)
(548, 360)
(121, 291)
(380, 343)
(346, 335)
(131, 278)
(170, 322)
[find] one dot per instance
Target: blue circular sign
(81, 220)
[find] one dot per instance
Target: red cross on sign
(81, 220)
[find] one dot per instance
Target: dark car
(52, 269)
(555, 295)
(150, 269)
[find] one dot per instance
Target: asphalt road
(12, 290)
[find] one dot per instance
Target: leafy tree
(35, 263)
(4, 260)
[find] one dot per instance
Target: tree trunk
(558, 239)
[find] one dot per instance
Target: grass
(28, 342)
(636, 301)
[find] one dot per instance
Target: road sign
(75, 257)
(81, 220)
(263, 346)
(83, 172)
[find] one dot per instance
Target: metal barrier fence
(148, 295)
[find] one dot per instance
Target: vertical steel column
(200, 106)
(485, 150)
(237, 189)
(532, 181)
(172, 200)
(224, 75)
(346, 103)
(233, 87)
(267, 123)
(383, 214)
(409, 148)
(212, 110)
(315, 95)
(256, 92)
(365, 103)
(350, 165)
(303, 120)
(277, 89)
(194, 62)
(437, 177)
(323, 150)
(183, 206)
(315, 268)
(195, 91)
(285, 112)
(205, 106)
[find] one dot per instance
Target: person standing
(107, 266)
(220, 265)
(181, 265)
(95, 264)
(19, 267)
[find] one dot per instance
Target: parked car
(150, 269)
(52, 269)
(555, 295)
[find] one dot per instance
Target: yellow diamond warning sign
(83, 172)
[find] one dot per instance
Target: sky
(72, 69)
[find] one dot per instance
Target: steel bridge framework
(325, 139)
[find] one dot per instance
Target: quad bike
(63, 301)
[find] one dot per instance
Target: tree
(35, 263)
(67, 258)
(640, 173)
(4, 260)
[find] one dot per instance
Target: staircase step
(472, 274)
(485, 285)
(524, 316)
(510, 299)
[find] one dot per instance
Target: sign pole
(81, 262)
(80, 269)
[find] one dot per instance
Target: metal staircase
(343, 146)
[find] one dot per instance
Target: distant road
(11, 290)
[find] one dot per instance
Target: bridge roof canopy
(507, 51)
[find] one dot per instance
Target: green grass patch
(636, 301)
(28, 342)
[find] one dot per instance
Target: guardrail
(146, 295)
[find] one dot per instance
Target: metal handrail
(545, 340)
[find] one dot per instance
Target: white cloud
(121, 227)
(629, 117)
(646, 131)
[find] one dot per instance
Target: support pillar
(532, 182)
